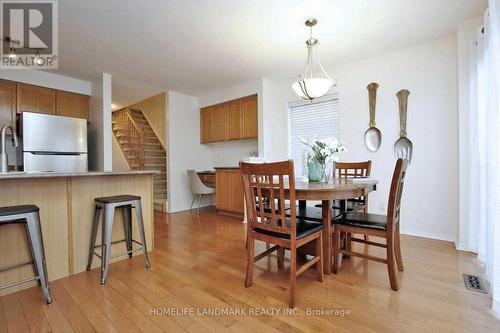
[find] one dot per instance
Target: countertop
(206, 172)
(226, 167)
(30, 175)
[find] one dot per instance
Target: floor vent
(475, 283)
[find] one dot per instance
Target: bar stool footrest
(8, 268)
(5, 286)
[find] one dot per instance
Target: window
(320, 118)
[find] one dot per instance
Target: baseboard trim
(447, 238)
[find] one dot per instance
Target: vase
(323, 177)
(314, 173)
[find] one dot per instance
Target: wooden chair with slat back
(272, 226)
(354, 170)
(385, 226)
(348, 170)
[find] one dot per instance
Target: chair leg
(107, 231)
(391, 268)
(199, 204)
(319, 253)
(127, 227)
(250, 254)
(281, 257)
(36, 239)
(397, 248)
(293, 276)
(140, 222)
(192, 202)
(95, 225)
(348, 243)
(336, 250)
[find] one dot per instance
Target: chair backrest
(268, 181)
(352, 169)
(394, 205)
(197, 186)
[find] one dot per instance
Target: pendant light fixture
(314, 82)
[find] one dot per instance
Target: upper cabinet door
(219, 123)
(7, 103)
(206, 124)
(72, 105)
(35, 99)
(234, 120)
(250, 118)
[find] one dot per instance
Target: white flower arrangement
(324, 150)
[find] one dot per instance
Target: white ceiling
(196, 46)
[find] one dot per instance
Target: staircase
(142, 149)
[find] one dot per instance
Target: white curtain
(484, 180)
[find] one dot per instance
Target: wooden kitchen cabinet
(219, 123)
(7, 103)
(206, 120)
(230, 121)
(72, 105)
(35, 99)
(229, 190)
(234, 121)
(249, 126)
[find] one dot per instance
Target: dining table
(335, 189)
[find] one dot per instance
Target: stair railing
(134, 134)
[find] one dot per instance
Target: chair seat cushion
(304, 229)
(17, 210)
(118, 198)
(362, 220)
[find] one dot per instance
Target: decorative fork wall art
(403, 147)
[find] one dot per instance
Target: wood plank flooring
(199, 265)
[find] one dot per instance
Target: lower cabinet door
(223, 190)
(236, 192)
(229, 191)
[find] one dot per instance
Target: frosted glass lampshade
(312, 88)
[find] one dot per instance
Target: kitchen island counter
(30, 175)
(66, 202)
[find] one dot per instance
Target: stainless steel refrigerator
(54, 143)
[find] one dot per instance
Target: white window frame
(333, 95)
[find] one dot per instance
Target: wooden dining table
(335, 189)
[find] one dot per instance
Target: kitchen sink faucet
(3, 153)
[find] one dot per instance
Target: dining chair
(353, 170)
(198, 188)
(272, 226)
(384, 226)
(345, 170)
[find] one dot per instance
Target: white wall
(229, 154)
(184, 148)
(429, 71)
(466, 34)
(46, 79)
(119, 161)
(99, 130)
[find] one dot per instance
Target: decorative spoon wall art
(373, 137)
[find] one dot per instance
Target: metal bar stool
(109, 204)
(28, 214)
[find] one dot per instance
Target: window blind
(318, 119)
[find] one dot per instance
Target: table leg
(302, 204)
(345, 237)
(327, 236)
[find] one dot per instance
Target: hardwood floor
(199, 264)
